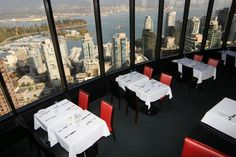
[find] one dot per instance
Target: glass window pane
(115, 33)
(217, 24)
(172, 25)
(146, 14)
(195, 25)
(27, 57)
(232, 34)
(76, 32)
(4, 107)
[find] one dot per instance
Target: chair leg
(111, 98)
(136, 117)
(30, 143)
(38, 151)
(119, 103)
(114, 135)
(126, 112)
(169, 100)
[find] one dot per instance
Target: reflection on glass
(115, 31)
(27, 58)
(146, 12)
(232, 34)
(4, 107)
(76, 31)
(217, 24)
(172, 25)
(195, 25)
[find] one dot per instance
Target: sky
(19, 6)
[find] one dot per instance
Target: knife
(70, 134)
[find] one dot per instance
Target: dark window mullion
(159, 29)
(132, 32)
(184, 26)
(207, 24)
(96, 4)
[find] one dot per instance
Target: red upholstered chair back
(213, 62)
(166, 79)
(83, 100)
(106, 114)
(197, 58)
(148, 71)
(193, 148)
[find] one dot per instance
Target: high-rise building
(88, 47)
(10, 87)
(51, 63)
(232, 33)
(222, 16)
(121, 50)
(4, 107)
(214, 34)
(148, 23)
(148, 43)
(64, 51)
(193, 26)
(35, 60)
(178, 28)
(192, 43)
(202, 24)
(170, 21)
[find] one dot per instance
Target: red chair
(106, 114)
(83, 100)
(193, 148)
(198, 57)
(213, 62)
(148, 71)
(166, 79)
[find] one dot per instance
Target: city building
(64, 51)
(169, 21)
(88, 47)
(214, 33)
(51, 63)
(192, 43)
(120, 50)
(232, 35)
(10, 85)
(4, 107)
(35, 60)
(193, 26)
(148, 23)
(222, 15)
(148, 39)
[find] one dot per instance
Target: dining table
(150, 91)
(217, 128)
(201, 70)
(146, 90)
(227, 52)
(73, 128)
(222, 117)
(130, 78)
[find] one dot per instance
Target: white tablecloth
(130, 78)
(150, 90)
(76, 136)
(201, 70)
(53, 115)
(231, 53)
(223, 117)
